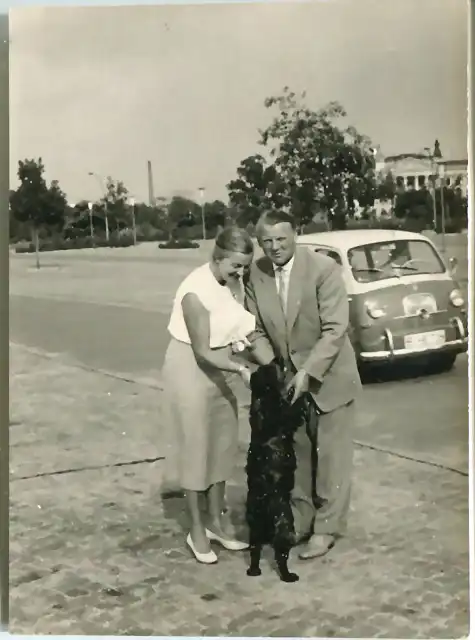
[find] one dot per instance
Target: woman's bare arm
(197, 322)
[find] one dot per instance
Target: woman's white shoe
(230, 545)
(205, 558)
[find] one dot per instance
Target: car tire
(443, 363)
(370, 372)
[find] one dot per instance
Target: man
(301, 307)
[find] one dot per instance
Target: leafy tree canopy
(315, 163)
(33, 202)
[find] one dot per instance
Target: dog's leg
(281, 555)
(254, 569)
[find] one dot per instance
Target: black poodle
(271, 465)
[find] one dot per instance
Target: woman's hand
(245, 374)
(240, 346)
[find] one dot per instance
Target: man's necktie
(281, 289)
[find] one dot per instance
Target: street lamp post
(442, 204)
(106, 219)
(72, 206)
(434, 187)
(134, 228)
(91, 224)
(203, 220)
(101, 184)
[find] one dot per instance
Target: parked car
(404, 300)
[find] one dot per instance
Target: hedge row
(87, 243)
(179, 244)
(126, 240)
(59, 244)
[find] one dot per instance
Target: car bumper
(390, 353)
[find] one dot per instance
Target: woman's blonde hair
(232, 240)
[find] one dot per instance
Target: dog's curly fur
(271, 465)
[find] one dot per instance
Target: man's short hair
(272, 217)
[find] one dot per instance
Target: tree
(151, 219)
(182, 213)
(17, 230)
(322, 163)
(216, 214)
(415, 206)
(455, 209)
(116, 202)
(79, 220)
(257, 187)
(35, 204)
(458, 207)
(57, 203)
(386, 187)
(316, 164)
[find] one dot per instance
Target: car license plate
(423, 341)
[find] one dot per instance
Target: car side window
(331, 254)
(423, 252)
(358, 258)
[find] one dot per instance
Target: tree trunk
(338, 221)
(36, 240)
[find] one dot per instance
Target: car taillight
(374, 309)
(456, 298)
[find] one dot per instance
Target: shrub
(121, 241)
(452, 225)
(147, 233)
(24, 248)
(179, 244)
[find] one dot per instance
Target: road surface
(94, 551)
(425, 416)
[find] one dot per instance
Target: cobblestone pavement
(95, 551)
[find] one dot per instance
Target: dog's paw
(289, 577)
(254, 572)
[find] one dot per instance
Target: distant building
(416, 170)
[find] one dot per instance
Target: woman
(207, 325)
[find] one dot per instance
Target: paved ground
(95, 551)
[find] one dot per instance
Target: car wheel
(443, 363)
(370, 372)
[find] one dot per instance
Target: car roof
(355, 237)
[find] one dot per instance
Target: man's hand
(299, 384)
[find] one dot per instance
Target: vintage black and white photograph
(239, 319)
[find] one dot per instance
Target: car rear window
(395, 258)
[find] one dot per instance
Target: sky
(104, 89)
